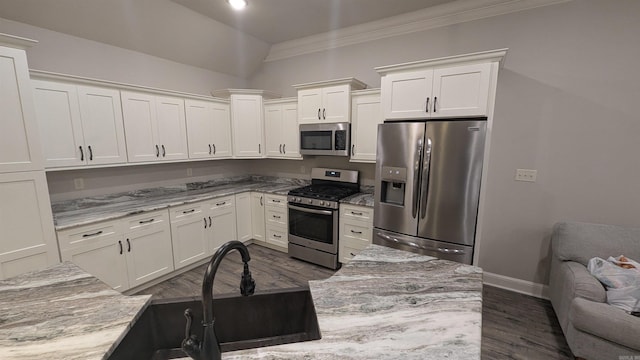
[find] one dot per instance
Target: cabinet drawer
(357, 212)
(277, 235)
(221, 204)
(347, 253)
(187, 211)
(147, 221)
(276, 216)
(275, 200)
(88, 235)
(357, 233)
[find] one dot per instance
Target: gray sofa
(594, 330)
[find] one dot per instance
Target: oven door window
(312, 226)
(316, 140)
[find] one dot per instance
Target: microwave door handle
(416, 180)
(425, 178)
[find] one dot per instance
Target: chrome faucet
(209, 348)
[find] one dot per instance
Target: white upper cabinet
(247, 119)
(19, 140)
(326, 101)
(366, 114)
(79, 125)
(457, 86)
(208, 129)
(281, 129)
(155, 127)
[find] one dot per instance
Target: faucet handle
(247, 284)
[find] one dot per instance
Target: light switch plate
(526, 175)
(78, 183)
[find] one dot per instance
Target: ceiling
(275, 21)
(202, 33)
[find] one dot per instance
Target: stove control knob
(310, 201)
(297, 199)
(321, 202)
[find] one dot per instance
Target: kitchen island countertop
(384, 304)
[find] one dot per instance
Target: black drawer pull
(146, 221)
(214, 149)
(120, 243)
(277, 216)
(81, 153)
(189, 211)
(356, 232)
(276, 201)
(164, 152)
(356, 213)
(128, 246)
(205, 222)
(220, 204)
(90, 153)
(157, 151)
(277, 236)
(93, 234)
(352, 254)
(209, 221)
(210, 150)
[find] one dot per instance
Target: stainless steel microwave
(325, 139)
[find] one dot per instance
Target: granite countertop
(384, 304)
(84, 211)
(63, 313)
(90, 210)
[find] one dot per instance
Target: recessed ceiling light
(238, 4)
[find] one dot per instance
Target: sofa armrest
(583, 283)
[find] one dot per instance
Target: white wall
(61, 53)
(565, 106)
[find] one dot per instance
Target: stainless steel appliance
(313, 215)
(428, 185)
(325, 139)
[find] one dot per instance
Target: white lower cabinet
(276, 221)
(243, 216)
(149, 252)
(257, 217)
(223, 222)
(189, 225)
(28, 240)
(122, 253)
(356, 230)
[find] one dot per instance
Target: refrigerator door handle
(416, 180)
(425, 179)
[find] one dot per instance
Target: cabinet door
(221, 131)
(28, 240)
(336, 104)
(247, 126)
(223, 219)
(366, 115)
(461, 90)
(189, 225)
(404, 95)
(171, 128)
(19, 139)
(243, 216)
(200, 128)
(257, 216)
(148, 247)
(101, 114)
(139, 115)
(273, 130)
(290, 132)
(310, 106)
(58, 116)
(103, 258)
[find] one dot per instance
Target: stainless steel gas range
(313, 215)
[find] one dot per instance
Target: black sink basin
(265, 319)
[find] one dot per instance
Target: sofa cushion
(584, 284)
(606, 322)
(580, 242)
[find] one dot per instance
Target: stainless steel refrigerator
(428, 185)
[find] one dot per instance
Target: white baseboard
(517, 285)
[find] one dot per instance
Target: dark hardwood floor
(514, 326)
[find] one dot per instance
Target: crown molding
(226, 93)
(482, 56)
(16, 41)
(353, 82)
(437, 16)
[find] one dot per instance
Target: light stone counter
(63, 313)
(384, 304)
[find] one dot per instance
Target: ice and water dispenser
(394, 181)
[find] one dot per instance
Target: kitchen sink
(265, 319)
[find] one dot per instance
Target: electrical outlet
(78, 183)
(526, 175)
(189, 172)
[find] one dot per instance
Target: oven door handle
(313, 211)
